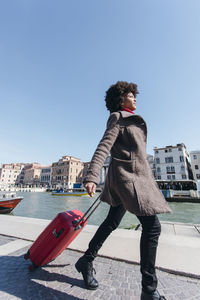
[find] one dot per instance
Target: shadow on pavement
(57, 265)
(42, 274)
(17, 280)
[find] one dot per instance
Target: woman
(129, 185)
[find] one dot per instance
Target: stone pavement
(178, 249)
(59, 280)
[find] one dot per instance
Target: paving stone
(114, 297)
(124, 285)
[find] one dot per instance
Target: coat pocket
(123, 170)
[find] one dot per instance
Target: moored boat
(8, 201)
(179, 190)
(73, 192)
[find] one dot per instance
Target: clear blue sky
(57, 59)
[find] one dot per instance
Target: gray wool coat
(129, 180)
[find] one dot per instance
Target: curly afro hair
(116, 93)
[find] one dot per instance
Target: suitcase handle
(88, 213)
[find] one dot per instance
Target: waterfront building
(195, 163)
(67, 171)
(85, 168)
(151, 161)
(45, 175)
(32, 174)
(172, 163)
(104, 170)
(20, 177)
(10, 173)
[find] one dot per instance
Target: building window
(198, 176)
(195, 156)
(158, 169)
(157, 160)
(156, 151)
(166, 150)
(169, 177)
(170, 169)
(196, 167)
(173, 177)
(179, 149)
(159, 177)
(169, 159)
(183, 176)
(182, 168)
(170, 150)
(181, 158)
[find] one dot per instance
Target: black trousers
(151, 229)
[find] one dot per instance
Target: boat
(179, 190)
(72, 192)
(8, 201)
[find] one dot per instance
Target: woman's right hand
(91, 188)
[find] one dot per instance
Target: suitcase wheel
(32, 267)
(26, 256)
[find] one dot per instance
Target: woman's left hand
(91, 188)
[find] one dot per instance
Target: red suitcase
(57, 236)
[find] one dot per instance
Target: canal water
(45, 206)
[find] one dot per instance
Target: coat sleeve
(103, 148)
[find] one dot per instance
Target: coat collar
(126, 114)
(135, 119)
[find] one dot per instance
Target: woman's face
(129, 101)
